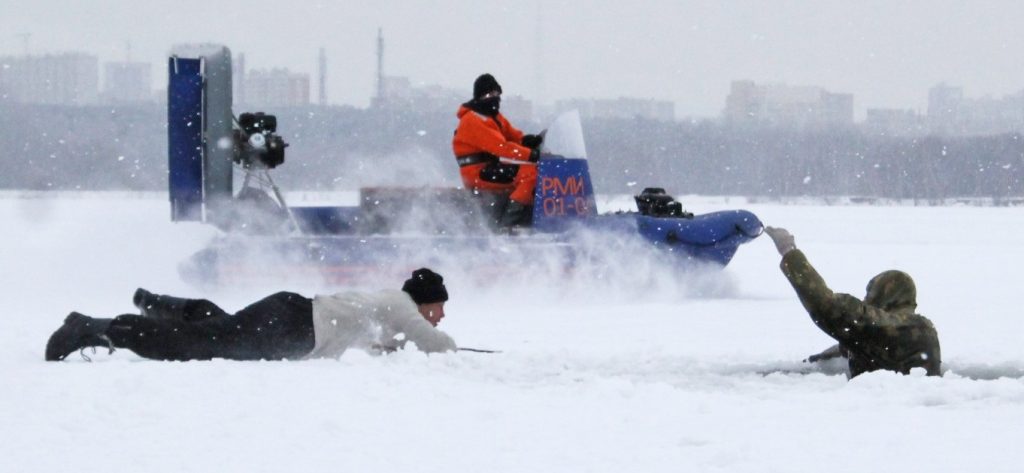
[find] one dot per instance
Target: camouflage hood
(891, 291)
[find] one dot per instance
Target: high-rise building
(56, 79)
(943, 108)
(276, 87)
(950, 113)
(622, 107)
(322, 77)
(895, 122)
(749, 104)
(127, 82)
(238, 80)
(398, 92)
(744, 103)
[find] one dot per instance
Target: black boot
(515, 215)
(174, 308)
(79, 331)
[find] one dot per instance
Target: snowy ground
(589, 380)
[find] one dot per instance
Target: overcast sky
(887, 53)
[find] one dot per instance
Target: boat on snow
(394, 229)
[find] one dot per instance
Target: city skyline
(886, 55)
(72, 79)
(104, 82)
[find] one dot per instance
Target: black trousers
(279, 326)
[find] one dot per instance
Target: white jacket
(372, 321)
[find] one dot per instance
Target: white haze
(885, 53)
(600, 377)
(410, 167)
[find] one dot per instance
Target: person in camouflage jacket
(882, 332)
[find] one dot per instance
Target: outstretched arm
(890, 340)
(841, 316)
(784, 241)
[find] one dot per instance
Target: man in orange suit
(495, 156)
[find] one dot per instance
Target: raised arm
(842, 316)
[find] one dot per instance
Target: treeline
(711, 159)
(87, 148)
(342, 148)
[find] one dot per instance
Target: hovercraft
(394, 229)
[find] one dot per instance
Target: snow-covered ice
(598, 380)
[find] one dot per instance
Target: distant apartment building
(515, 107)
(238, 79)
(398, 92)
(395, 91)
(54, 79)
(991, 116)
(622, 107)
(276, 87)
(944, 108)
(127, 83)
(895, 122)
(801, 107)
(950, 113)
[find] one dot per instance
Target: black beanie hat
(426, 287)
(485, 84)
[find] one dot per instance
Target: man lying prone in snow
(284, 325)
(882, 332)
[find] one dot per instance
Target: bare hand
(784, 241)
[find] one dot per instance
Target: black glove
(532, 141)
(534, 155)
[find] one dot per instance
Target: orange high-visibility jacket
(482, 134)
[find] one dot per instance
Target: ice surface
(588, 380)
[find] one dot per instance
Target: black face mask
(488, 106)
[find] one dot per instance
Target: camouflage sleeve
(841, 316)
